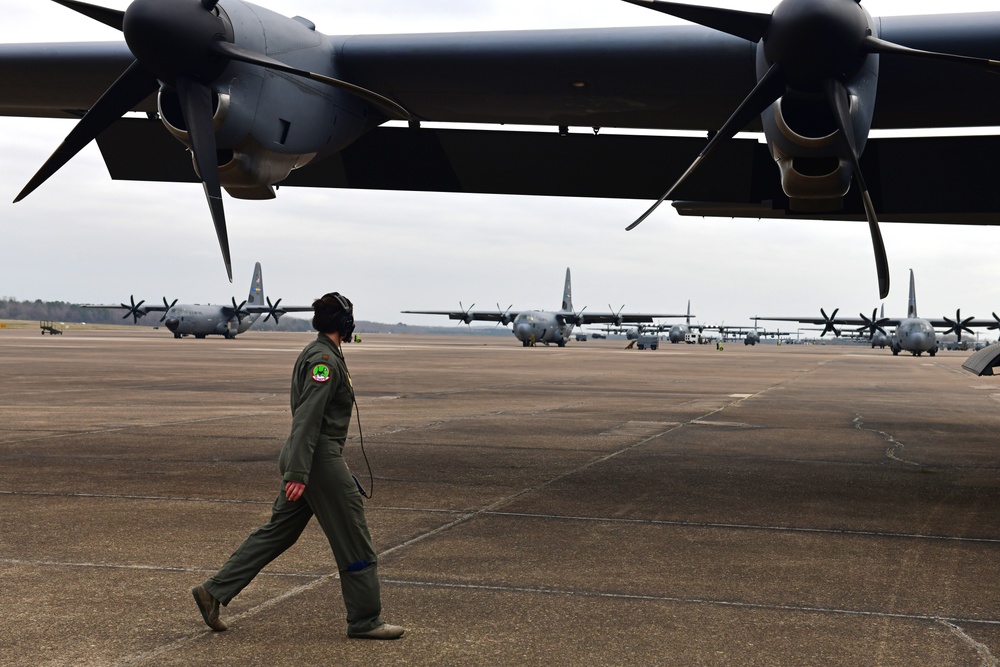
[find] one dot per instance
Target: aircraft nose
(522, 330)
(171, 323)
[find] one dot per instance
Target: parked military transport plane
(184, 319)
(914, 334)
(542, 326)
(251, 99)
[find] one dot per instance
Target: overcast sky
(84, 238)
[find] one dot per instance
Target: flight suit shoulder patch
(321, 372)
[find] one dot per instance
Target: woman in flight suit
(316, 480)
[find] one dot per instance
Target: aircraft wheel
(177, 335)
(932, 352)
(199, 336)
(895, 352)
(561, 343)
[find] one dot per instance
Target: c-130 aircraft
(913, 334)
(543, 326)
(186, 319)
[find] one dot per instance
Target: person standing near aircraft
(315, 480)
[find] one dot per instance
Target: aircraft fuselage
(678, 333)
(539, 326)
(916, 336)
(200, 321)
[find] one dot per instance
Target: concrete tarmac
(793, 505)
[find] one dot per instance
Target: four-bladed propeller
(810, 46)
(185, 45)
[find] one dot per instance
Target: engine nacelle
(803, 138)
(266, 122)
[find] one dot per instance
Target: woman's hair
(333, 312)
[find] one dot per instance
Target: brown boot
(209, 608)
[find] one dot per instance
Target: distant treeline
(61, 311)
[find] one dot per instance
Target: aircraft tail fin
(567, 301)
(911, 308)
(256, 297)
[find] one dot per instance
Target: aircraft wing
(847, 321)
(690, 79)
(741, 179)
(135, 310)
(832, 323)
(587, 317)
(61, 80)
(968, 322)
(674, 77)
(259, 310)
(120, 306)
(468, 316)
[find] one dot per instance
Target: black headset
(343, 323)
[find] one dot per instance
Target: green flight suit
(322, 400)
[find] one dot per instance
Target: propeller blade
(873, 324)
(958, 325)
(196, 107)
(272, 310)
(837, 95)
(876, 45)
(235, 52)
(504, 319)
(829, 324)
(748, 25)
(109, 17)
(770, 87)
(465, 314)
(132, 87)
(167, 306)
(133, 309)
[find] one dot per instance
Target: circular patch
(321, 372)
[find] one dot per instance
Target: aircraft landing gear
(932, 351)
